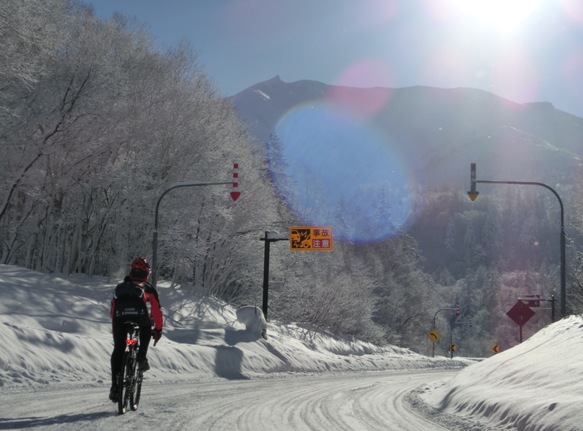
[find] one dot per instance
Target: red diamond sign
(520, 313)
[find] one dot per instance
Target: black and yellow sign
(310, 238)
(495, 348)
(452, 348)
(434, 335)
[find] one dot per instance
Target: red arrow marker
(235, 195)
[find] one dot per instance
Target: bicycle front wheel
(136, 389)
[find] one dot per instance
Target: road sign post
(269, 238)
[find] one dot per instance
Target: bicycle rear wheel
(124, 383)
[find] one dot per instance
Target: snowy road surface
(362, 401)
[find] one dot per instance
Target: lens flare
(573, 9)
(334, 170)
(502, 15)
(515, 75)
(363, 104)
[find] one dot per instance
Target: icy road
(361, 401)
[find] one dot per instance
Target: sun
(500, 15)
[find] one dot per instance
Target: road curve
(339, 402)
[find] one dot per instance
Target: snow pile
(57, 330)
(537, 385)
(253, 319)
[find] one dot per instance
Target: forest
(96, 124)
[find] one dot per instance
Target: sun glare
(502, 15)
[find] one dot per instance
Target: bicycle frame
(130, 378)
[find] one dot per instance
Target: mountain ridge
(440, 131)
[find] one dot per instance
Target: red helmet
(140, 270)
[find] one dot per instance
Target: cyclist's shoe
(143, 365)
(113, 393)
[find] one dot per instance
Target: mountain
(437, 132)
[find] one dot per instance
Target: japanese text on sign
(310, 238)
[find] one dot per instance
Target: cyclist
(129, 304)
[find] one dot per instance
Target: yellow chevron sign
(434, 335)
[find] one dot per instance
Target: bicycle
(129, 379)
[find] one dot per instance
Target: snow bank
(56, 329)
(537, 385)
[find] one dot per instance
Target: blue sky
(525, 50)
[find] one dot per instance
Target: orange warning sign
(310, 238)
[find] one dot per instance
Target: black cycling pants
(119, 340)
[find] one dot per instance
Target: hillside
(377, 160)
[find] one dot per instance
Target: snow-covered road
(348, 401)
(210, 372)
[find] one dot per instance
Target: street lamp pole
(473, 194)
(155, 239)
(434, 316)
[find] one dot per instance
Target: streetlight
(473, 194)
(457, 313)
(155, 239)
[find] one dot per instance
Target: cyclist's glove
(156, 335)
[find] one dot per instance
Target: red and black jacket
(130, 298)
